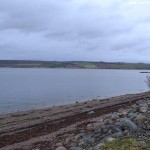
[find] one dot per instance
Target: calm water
(23, 89)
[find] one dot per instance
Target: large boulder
(127, 123)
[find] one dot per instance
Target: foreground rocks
(130, 124)
(91, 125)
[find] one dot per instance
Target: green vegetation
(72, 64)
(123, 144)
(148, 81)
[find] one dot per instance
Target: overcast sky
(95, 30)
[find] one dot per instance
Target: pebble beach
(121, 122)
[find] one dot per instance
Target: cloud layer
(110, 30)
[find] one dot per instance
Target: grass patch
(121, 144)
(87, 65)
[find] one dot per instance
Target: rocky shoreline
(92, 125)
(130, 125)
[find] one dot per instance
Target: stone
(91, 112)
(140, 119)
(61, 148)
(126, 123)
(140, 102)
(105, 129)
(24, 147)
(134, 121)
(110, 139)
(132, 115)
(68, 140)
(115, 129)
(97, 147)
(89, 126)
(148, 105)
(116, 135)
(143, 109)
(96, 125)
(73, 144)
(58, 144)
(122, 112)
(81, 143)
(76, 148)
(78, 136)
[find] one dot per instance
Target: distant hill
(72, 64)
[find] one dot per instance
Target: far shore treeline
(72, 64)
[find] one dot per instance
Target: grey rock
(61, 148)
(148, 105)
(78, 136)
(81, 143)
(58, 144)
(76, 148)
(129, 122)
(126, 123)
(110, 139)
(91, 148)
(122, 112)
(73, 144)
(116, 135)
(132, 115)
(91, 112)
(97, 147)
(105, 129)
(88, 139)
(143, 109)
(140, 102)
(89, 126)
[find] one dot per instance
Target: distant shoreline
(72, 64)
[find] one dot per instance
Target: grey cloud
(28, 15)
(95, 30)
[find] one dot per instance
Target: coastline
(72, 64)
(21, 128)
